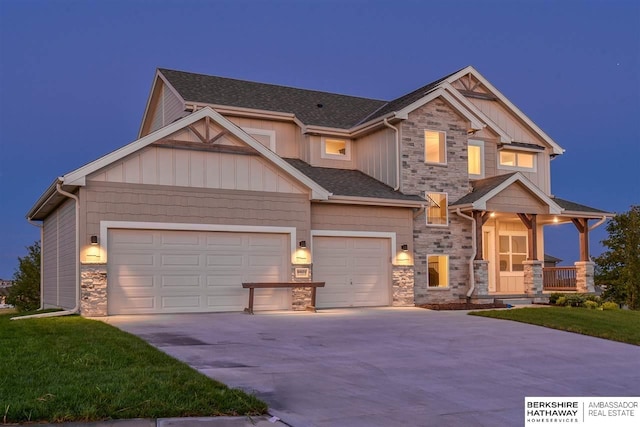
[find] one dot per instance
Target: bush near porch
(615, 325)
(73, 369)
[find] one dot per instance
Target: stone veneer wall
(403, 284)
(584, 276)
(417, 178)
(481, 277)
(300, 297)
(93, 290)
(532, 277)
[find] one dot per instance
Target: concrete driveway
(391, 366)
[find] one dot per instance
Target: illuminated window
(438, 271)
(336, 149)
(517, 160)
(513, 252)
(436, 210)
(476, 159)
(435, 147)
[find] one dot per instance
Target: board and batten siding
(377, 156)
(59, 257)
(286, 134)
(516, 199)
(199, 169)
(168, 108)
(107, 201)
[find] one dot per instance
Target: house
(440, 195)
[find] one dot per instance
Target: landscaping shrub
(575, 300)
(594, 298)
(591, 304)
(553, 298)
(561, 301)
(609, 305)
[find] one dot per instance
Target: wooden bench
(272, 285)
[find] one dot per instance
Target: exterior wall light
(94, 239)
(404, 247)
(302, 244)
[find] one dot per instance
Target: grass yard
(615, 325)
(73, 369)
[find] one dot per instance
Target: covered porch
(509, 215)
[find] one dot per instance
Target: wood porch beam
(582, 224)
(201, 137)
(530, 221)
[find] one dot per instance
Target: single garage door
(355, 270)
(166, 271)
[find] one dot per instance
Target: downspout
(473, 255)
(75, 309)
(387, 124)
(41, 227)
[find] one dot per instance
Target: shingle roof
(481, 187)
(576, 207)
(310, 106)
(344, 182)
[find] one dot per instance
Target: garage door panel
(194, 271)
(356, 271)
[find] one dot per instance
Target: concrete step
(515, 301)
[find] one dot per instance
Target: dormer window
(339, 149)
(435, 147)
(517, 160)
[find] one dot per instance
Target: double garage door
(167, 271)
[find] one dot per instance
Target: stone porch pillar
(481, 277)
(532, 277)
(403, 277)
(584, 276)
(301, 297)
(93, 290)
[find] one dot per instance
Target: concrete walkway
(391, 366)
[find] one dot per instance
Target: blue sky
(75, 76)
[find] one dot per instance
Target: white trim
(347, 149)
(441, 288)
(534, 155)
(426, 214)
(263, 132)
(105, 226)
(373, 234)
(477, 143)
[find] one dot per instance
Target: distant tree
(619, 267)
(25, 292)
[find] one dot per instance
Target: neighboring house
(4, 290)
(440, 195)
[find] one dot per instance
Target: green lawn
(616, 325)
(74, 369)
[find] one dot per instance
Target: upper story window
(437, 213)
(476, 159)
(517, 160)
(435, 147)
(339, 149)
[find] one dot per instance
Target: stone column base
(93, 290)
(533, 277)
(481, 277)
(403, 283)
(584, 276)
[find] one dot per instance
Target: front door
(489, 254)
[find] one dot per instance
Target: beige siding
(59, 257)
(365, 218)
(149, 203)
(304, 142)
(286, 134)
(199, 169)
(507, 121)
(516, 199)
(168, 109)
(377, 156)
(315, 155)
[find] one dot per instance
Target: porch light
(302, 244)
(404, 247)
(94, 239)
(555, 219)
(492, 215)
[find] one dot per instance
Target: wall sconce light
(94, 239)
(404, 247)
(302, 244)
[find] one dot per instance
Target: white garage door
(162, 271)
(355, 271)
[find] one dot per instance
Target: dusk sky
(75, 77)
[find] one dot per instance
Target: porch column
(584, 276)
(582, 224)
(532, 277)
(530, 221)
(481, 217)
(481, 277)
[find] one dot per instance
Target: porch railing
(559, 278)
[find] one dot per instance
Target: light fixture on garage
(302, 244)
(94, 239)
(404, 247)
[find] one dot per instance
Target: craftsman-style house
(440, 195)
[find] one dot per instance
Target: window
(476, 159)
(513, 251)
(435, 147)
(517, 160)
(438, 271)
(437, 213)
(336, 149)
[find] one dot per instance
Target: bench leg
(249, 310)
